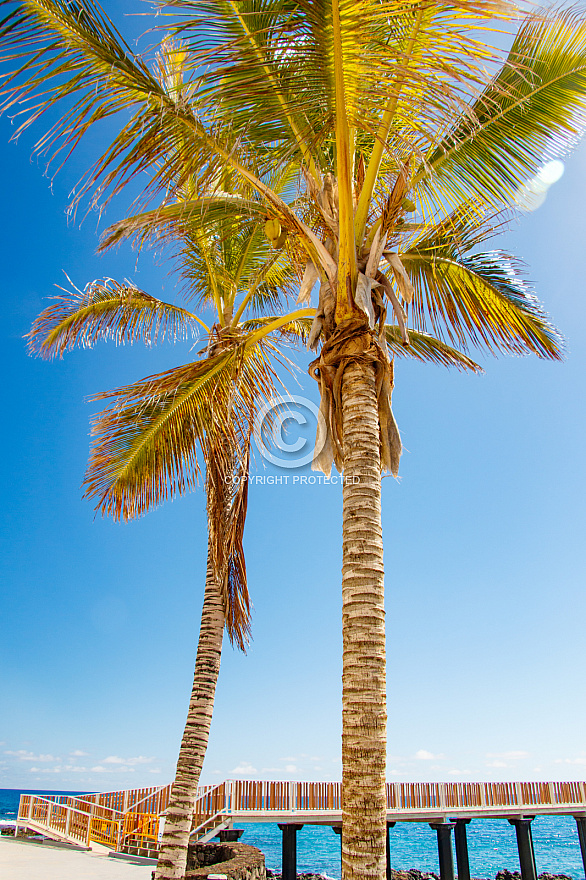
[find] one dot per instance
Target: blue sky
(484, 551)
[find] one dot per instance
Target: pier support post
(461, 841)
(581, 825)
(525, 847)
(337, 829)
(444, 848)
(389, 870)
(289, 851)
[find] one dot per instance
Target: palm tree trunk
(173, 852)
(364, 713)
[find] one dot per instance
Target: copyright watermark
(295, 479)
(290, 431)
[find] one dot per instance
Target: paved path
(33, 861)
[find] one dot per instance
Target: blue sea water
(491, 843)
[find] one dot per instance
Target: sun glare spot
(551, 172)
(532, 195)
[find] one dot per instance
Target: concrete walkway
(34, 861)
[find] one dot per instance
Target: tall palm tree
(389, 111)
(147, 446)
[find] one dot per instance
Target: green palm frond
(296, 330)
(480, 299)
(146, 443)
(67, 54)
(107, 310)
(172, 220)
(533, 110)
(423, 347)
(219, 247)
(274, 62)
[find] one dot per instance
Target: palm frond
(107, 310)
(145, 447)
(423, 347)
(532, 111)
(227, 501)
(296, 330)
(480, 299)
(171, 221)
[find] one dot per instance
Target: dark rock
(238, 861)
(414, 874)
(515, 875)
(276, 875)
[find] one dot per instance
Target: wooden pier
(131, 821)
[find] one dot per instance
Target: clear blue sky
(484, 538)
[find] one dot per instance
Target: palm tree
(388, 110)
(147, 441)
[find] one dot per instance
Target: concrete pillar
(461, 841)
(581, 825)
(444, 848)
(525, 847)
(289, 851)
(389, 870)
(229, 835)
(337, 829)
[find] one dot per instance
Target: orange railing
(98, 817)
(418, 797)
(140, 827)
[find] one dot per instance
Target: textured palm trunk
(364, 713)
(173, 852)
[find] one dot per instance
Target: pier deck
(131, 820)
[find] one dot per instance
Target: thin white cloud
(496, 763)
(23, 755)
(513, 755)
(78, 754)
(128, 762)
(290, 768)
(570, 761)
(245, 768)
(424, 755)
(117, 769)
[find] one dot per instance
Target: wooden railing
(237, 796)
(91, 822)
(93, 817)
(140, 800)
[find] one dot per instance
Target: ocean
(491, 843)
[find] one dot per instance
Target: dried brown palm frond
(227, 501)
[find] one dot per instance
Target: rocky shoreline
(414, 874)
